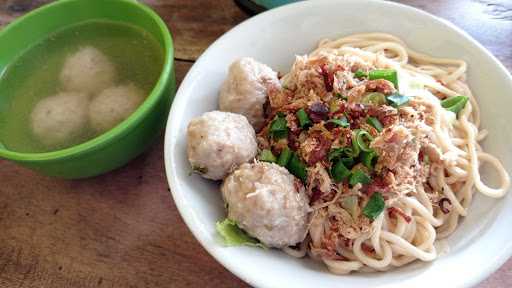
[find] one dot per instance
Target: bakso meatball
(267, 202)
(61, 119)
(113, 105)
(245, 90)
(219, 141)
(87, 70)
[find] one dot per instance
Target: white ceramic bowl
(482, 242)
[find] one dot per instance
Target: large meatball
(245, 90)
(87, 70)
(219, 141)
(61, 119)
(268, 203)
(113, 105)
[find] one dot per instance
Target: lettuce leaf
(234, 236)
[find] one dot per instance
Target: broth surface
(34, 75)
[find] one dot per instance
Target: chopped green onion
(200, 170)
(279, 127)
(368, 158)
(339, 95)
(354, 151)
(297, 167)
(335, 153)
(396, 100)
(375, 123)
(387, 74)
(360, 136)
(339, 172)
(359, 176)
(343, 122)
(374, 207)
(374, 98)
(351, 152)
(348, 162)
(350, 204)
(455, 103)
(284, 157)
(267, 156)
(303, 118)
(345, 154)
(360, 74)
(234, 235)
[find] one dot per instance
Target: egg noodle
(394, 241)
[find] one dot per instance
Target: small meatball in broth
(61, 119)
(88, 70)
(114, 105)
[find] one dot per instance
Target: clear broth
(34, 75)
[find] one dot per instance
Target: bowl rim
(172, 128)
(125, 126)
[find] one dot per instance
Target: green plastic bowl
(127, 140)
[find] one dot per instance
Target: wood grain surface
(122, 229)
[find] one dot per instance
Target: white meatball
(61, 119)
(245, 90)
(267, 202)
(218, 141)
(113, 105)
(87, 70)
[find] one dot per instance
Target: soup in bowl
(83, 94)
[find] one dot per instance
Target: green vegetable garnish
(297, 168)
(343, 122)
(375, 123)
(267, 156)
(335, 153)
(387, 74)
(369, 158)
(340, 96)
(354, 151)
(343, 155)
(363, 140)
(279, 127)
(374, 207)
(348, 162)
(350, 204)
(303, 118)
(359, 176)
(234, 236)
(345, 152)
(284, 157)
(200, 170)
(396, 100)
(360, 74)
(455, 103)
(339, 172)
(374, 98)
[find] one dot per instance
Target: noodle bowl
(396, 241)
(383, 148)
(380, 146)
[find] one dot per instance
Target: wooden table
(123, 229)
